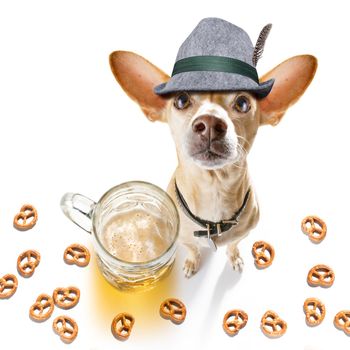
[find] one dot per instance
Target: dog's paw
(237, 264)
(190, 267)
(235, 260)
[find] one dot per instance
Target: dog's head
(212, 129)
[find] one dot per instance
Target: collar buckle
(211, 243)
(218, 229)
(233, 222)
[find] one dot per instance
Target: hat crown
(217, 56)
(217, 37)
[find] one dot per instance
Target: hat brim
(201, 81)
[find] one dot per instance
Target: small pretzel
(122, 325)
(77, 254)
(27, 262)
(26, 218)
(173, 310)
(315, 228)
(315, 311)
(272, 325)
(66, 328)
(263, 254)
(42, 309)
(234, 321)
(66, 298)
(8, 286)
(321, 275)
(342, 321)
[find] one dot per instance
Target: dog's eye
(241, 104)
(182, 100)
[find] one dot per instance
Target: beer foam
(137, 235)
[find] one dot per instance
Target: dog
(213, 131)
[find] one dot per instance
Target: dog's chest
(214, 205)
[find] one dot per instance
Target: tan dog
(213, 132)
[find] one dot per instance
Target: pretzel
(315, 228)
(122, 325)
(27, 268)
(315, 311)
(342, 321)
(173, 309)
(66, 298)
(321, 275)
(66, 328)
(272, 325)
(263, 254)
(42, 309)
(234, 321)
(8, 286)
(26, 218)
(77, 254)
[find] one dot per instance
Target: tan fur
(214, 194)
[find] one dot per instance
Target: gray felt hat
(218, 56)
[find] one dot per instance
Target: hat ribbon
(215, 64)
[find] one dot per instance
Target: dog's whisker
(241, 150)
(239, 167)
(244, 140)
(241, 154)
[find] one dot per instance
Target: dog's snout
(210, 127)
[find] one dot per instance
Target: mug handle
(78, 209)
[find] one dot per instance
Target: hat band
(215, 64)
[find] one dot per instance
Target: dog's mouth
(208, 155)
(212, 156)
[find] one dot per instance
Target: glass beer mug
(134, 227)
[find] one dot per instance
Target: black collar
(211, 228)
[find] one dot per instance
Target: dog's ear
(138, 77)
(292, 77)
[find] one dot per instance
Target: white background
(67, 126)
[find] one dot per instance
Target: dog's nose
(210, 127)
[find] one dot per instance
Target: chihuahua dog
(213, 133)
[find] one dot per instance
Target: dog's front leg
(192, 261)
(234, 257)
